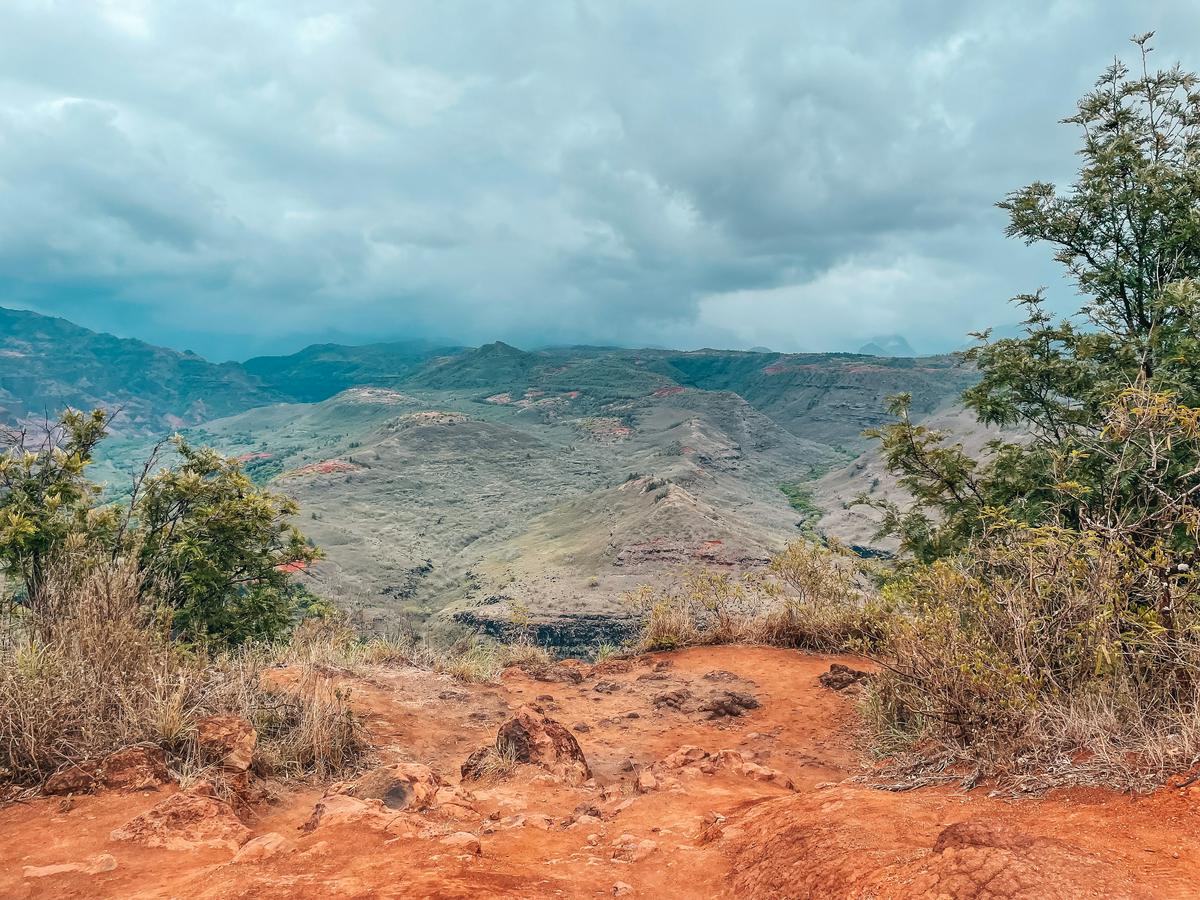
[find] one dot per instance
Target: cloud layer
(252, 176)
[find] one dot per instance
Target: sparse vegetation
(91, 671)
(214, 553)
(1049, 627)
(814, 597)
(800, 496)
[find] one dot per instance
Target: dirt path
(778, 816)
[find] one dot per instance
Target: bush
(813, 597)
(92, 671)
(1033, 645)
(211, 546)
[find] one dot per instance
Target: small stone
(94, 866)
(464, 841)
(263, 847)
(644, 848)
(581, 727)
(142, 767)
(646, 782)
(621, 889)
(71, 780)
(228, 740)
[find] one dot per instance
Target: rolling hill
(481, 485)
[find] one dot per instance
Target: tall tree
(1128, 234)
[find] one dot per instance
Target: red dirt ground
(717, 833)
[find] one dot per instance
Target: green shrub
(213, 550)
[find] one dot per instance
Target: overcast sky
(244, 177)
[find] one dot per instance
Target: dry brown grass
(814, 597)
(497, 764)
(332, 643)
(1035, 658)
(92, 672)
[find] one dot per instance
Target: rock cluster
(533, 738)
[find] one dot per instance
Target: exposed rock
(675, 699)
(531, 737)
(621, 889)
(646, 782)
(341, 809)
(728, 703)
(581, 727)
(264, 847)
(720, 675)
(464, 841)
(629, 849)
(142, 767)
(475, 765)
(97, 865)
(227, 740)
(186, 821)
(684, 756)
(840, 677)
(398, 786)
(71, 780)
(606, 687)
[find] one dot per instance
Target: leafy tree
(1128, 233)
(217, 548)
(213, 549)
(45, 495)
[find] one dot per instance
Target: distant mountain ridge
(48, 363)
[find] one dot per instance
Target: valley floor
(786, 813)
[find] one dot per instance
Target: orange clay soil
(782, 817)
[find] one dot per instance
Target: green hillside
(48, 363)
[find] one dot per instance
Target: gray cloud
(246, 177)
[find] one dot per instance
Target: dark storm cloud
(242, 177)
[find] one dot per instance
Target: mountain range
(477, 484)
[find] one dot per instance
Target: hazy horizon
(249, 181)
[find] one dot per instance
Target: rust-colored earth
(781, 815)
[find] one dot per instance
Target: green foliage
(1053, 603)
(1128, 233)
(800, 497)
(213, 549)
(45, 495)
(999, 645)
(218, 548)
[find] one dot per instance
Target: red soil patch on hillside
(248, 457)
(327, 467)
(687, 801)
(298, 566)
(668, 391)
